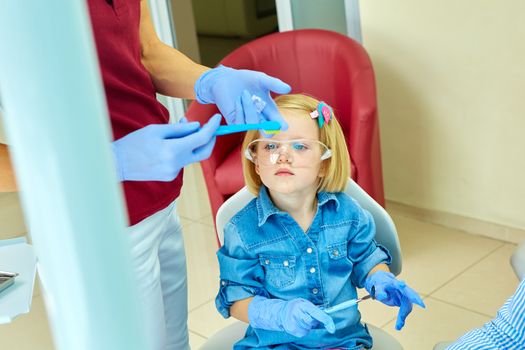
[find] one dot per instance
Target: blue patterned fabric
(506, 331)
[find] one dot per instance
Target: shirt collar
(266, 208)
(325, 197)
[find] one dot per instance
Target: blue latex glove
(296, 317)
(158, 152)
(384, 287)
(246, 110)
(224, 86)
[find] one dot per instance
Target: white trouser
(157, 251)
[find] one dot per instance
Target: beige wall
(451, 86)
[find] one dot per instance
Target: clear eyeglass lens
(298, 152)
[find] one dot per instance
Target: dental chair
(327, 65)
(517, 260)
(386, 235)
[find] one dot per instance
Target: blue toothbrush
(269, 127)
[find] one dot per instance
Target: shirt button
(336, 252)
(315, 290)
(267, 262)
(309, 250)
(312, 269)
(285, 263)
(223, 283)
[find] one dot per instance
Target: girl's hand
(384, 287)
(296, 317)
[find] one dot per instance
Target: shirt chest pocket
(337, 251)
(339, 262)
(279, 270)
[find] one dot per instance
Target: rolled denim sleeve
(363, 250)
(241, 273)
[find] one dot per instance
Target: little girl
(302, 245)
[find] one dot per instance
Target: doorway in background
(224, 25)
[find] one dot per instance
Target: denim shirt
(267, 253)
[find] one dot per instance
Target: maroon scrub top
(130, 95)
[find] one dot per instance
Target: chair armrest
(386, 233)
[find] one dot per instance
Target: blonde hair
(336, 169)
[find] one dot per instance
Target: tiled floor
(463, 278)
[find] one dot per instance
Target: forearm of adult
(7, 176)
(172, 73)
(239, 309)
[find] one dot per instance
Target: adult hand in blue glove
(296, 317)
(384, 287)
(158, 152)
(224, 86)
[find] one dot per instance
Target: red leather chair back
(324, 64)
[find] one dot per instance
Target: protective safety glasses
(299, 152)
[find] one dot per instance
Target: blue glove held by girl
(158, 152)
(296, 317)
(225, 87)
(384, 287)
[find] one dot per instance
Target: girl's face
(296, 169)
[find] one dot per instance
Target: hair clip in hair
(323, 113)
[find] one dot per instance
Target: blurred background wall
(451, 85)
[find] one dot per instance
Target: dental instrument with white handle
(346, 304)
